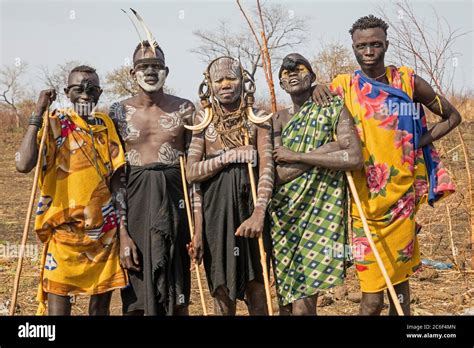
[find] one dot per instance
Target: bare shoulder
(118, 110)
(180, 104)
(261, 113)
(281, 118)
(129, 101)
(182, 107)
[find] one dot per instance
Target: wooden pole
(191, 231)
(267, 60)
(268, 76)
(26, 226)
(261, 248)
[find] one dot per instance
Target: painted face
(150, 76)
(226, 80)
(83, 91)
(369, 46)
(297, 80)
(150, 70)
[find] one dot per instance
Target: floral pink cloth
(397, 175)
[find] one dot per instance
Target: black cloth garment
(157, 223)
(229, 261)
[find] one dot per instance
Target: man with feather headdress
(155, 234)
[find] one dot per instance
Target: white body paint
(151, 88)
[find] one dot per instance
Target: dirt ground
(434, 292)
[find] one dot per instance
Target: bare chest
(152, 135)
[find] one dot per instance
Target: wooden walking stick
(263, 255)
(367, 233)
(29, 212)
(391, 290)
(191, 231)
(266, 61)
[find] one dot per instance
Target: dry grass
(443, 292)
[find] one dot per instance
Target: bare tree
(120, 83)
(332, 60)
(284, 30)
(428, 47)
(11, 90)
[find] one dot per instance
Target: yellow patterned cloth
(75, 217)
(397, 175)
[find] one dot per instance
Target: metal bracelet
(36, 121)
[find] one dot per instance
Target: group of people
(112, 214)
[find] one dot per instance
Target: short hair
(145, 43)
(368, 22)
(84, 68)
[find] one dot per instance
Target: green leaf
(371, 160)
(393, 171)
(403, 259)
(364, 262)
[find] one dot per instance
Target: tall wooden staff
(266, 60)
(191, 231)
(268, 76)
(261, 248)
(391, 289)
(29, 212)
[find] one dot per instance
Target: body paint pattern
(168, 155)
(267, 168)
(133, 157)
(122, 115)
(170, 121)
(211, 133)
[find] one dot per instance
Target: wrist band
(35, 120)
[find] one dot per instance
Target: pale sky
(97, 32)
